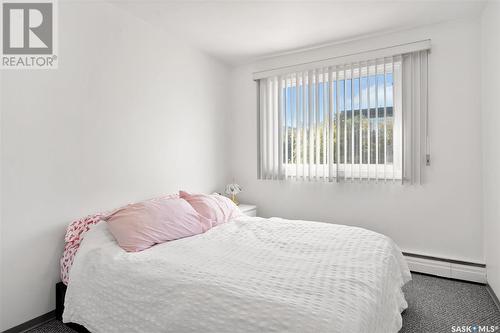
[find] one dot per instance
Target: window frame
(342, 170)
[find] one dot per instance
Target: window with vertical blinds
(343, 122)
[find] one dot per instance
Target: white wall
(490, 86)
(130, 113)
(441, 218)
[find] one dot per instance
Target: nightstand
(250, 210)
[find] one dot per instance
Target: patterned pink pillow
(74, 236)
(214, 207)
(77, 229)
(67, 261)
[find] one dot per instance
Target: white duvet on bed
(249, 275)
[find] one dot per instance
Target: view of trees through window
(362, 121)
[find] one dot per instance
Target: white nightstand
(250, 210)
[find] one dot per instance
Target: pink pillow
(75, 233)
(214, 207)
(139, 226)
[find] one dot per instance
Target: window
(342, 122)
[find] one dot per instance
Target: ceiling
(240, 31)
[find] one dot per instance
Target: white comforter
(249, 275)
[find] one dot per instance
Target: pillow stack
(139, 226)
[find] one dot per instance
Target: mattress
(248, 275)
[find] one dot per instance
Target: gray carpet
(434, 305)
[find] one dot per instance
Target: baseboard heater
(449, 268)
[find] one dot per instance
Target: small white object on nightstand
(250, 210)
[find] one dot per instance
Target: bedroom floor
(434, 305)
(437, 304)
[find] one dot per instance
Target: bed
(249, 275)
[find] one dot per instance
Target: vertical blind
(415, 110)
(357, 121)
